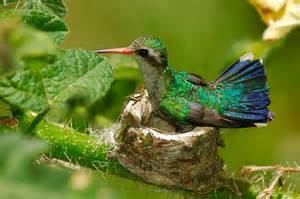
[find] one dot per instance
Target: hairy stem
(77, 148)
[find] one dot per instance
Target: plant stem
(78, 148)
(75, 147)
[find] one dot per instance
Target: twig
(279, 172)
(59, 163)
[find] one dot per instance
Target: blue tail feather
(253, 104)
(255, 117)
(242, 69)
(256, 100)
(254, 67)
(249, 105)
(231, 71)
(257, 94)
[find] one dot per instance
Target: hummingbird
(237, 98)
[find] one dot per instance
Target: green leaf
(58, 6)
(75, 73)
(58, 37)
(24, 90)
(47, 16)
(47, 22)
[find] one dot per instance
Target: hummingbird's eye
(143, 52)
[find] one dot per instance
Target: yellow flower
(281, 16)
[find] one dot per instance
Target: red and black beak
(124, 51)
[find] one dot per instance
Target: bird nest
(149, 147)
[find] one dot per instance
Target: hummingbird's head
(151, 50)
(151, 54)
(145, 49)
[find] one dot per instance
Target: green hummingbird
(238, 98)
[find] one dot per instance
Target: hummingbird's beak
(124, 51)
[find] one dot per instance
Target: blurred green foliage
(21, 177)
(201, 36)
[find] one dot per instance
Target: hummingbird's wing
(179, 103)
(196, 80)
(183, 111)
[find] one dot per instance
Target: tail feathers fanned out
(252, 107)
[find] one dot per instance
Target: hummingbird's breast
(154, 79)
